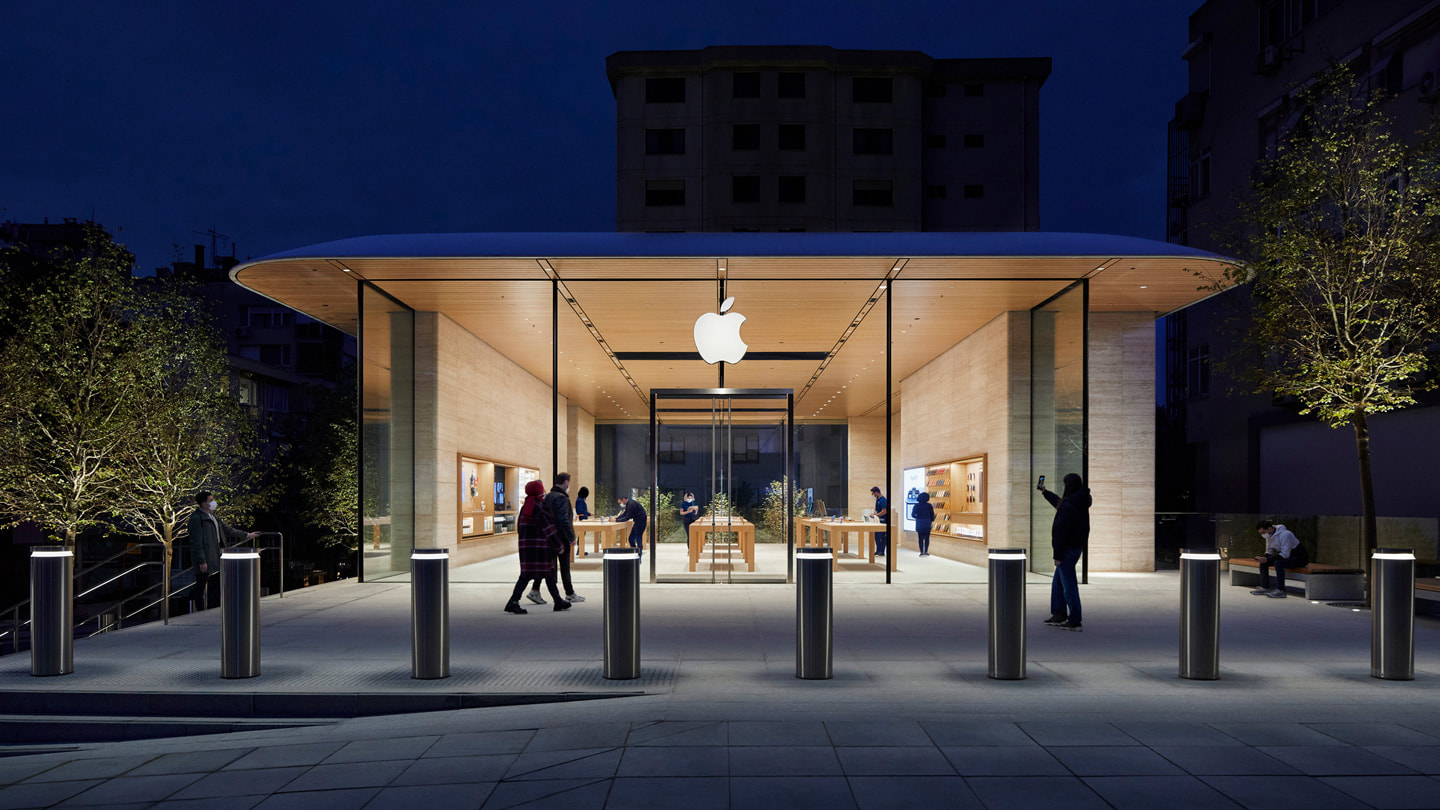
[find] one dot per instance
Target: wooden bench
(1322, 583)
(1427, 593)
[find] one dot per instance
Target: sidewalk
(1102, 720)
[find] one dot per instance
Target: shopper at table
(630, 509)
(924, 515)
(882, 513)
(539, 547)
(582, 507)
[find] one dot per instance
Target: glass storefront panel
(387, 494)
(1057, 409)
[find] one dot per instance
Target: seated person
(1282, 550)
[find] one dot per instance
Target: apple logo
(718, 336)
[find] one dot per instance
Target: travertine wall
(579, 458)
(471, 399)
(972, 399)
(867, 462)
(1122, 441)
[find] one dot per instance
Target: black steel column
(655, 486)
(790, 474)
(889, 476)
(555, 378)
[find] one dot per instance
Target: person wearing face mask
(557, 503)
(1282, 550)
(689, 511)
(205, 530)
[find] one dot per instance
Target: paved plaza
(718, 719)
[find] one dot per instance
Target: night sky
(283, 127)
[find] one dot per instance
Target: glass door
(1057, 409)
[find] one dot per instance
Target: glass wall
(387, 397)
(1057, 408)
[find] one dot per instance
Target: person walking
(539, 545)
(1068, 535)
(205, 530)
(630, 509)
(882, 513)
(924, 515)
(557, 504)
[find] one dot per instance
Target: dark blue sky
(285, 126)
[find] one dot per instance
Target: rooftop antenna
(214, 237)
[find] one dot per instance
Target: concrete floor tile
(1282, 793)
(670, 733)
(893, 732)
(1029, 792)
(1374, 734)
(256, 781)
(280, 756)
(379, 750)
(433, 796)
(1047, 733)
(962, 733)
(817, 760)
(455, 770)
(1329, 760)
(778, 733)
(558, 793)
(1150, 792)
(691, 793)
(792, 793)
(1277, 733)
(98, 768)
(587, 764)
(894, 761)
(485, 742)
(580, 735)
(1159, 732)
(888, 792)
(1015, 760)
(1223, 760)
(347, 775)
(17, 769)
(1390, 792)
(42, 794)
(1113, 760)
(1419, 758)
(674, 762)
(133, 789)
(227, 803)
(190, 761)
(353, 799)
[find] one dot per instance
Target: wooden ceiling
(832, 308)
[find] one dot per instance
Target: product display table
(608, 533)
(706, 526)
(809, 532)
(829, 529)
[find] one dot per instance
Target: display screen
(914, 483)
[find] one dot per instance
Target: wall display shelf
(490, 496)
(957, 491)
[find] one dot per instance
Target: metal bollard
(1392, 614)
(1200, 614)
(239, 613)
(52, 611)
(1007, 614)
(814, 609)
(429, 613)
(621, 568)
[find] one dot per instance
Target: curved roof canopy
(815, 303)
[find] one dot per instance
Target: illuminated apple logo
(718, 336)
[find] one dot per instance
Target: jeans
(882, 543)
(637, 537)
(565, 556)
(526, 579)
(202, 595)
(922, 530)
(1065, 588)
(1280, 564)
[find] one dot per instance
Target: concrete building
(1244, 454)
(807, 138)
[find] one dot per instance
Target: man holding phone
(1068, 534)
(1282, 550)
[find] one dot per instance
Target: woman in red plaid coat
(540, 546)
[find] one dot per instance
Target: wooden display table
(706, 526)
(828, 529)
(608, 534)
(809, 534)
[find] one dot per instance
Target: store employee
(882, 512)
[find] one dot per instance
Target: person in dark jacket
(924, 515)
(1068, 536)
(557, 503)
(630, 509)
(539, 546)
(582, 507)
(205, 531)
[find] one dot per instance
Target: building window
(792, 137)
(974, 90)
(665, 91)
(1197, 367)
(935, 90)
(792, 189)
(974, 192)
(245, 391)
(745, 189)
(1200, 176)
(873, 192)
(664, 192)
(974, 140)
(277, 399)
(874, 141)
(746, 85)
(664, 141)
(745, 137)
(935, 192)
(268, 317)
(871, 90)
(310, 358)
(271, 354)
(935, 141)
(792, 85)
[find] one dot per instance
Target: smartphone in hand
(1041, 483)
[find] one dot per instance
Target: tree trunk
(1367, 495)
(165, 540)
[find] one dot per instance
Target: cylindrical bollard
(814, 607)
(621, 569)
(1200, 614)
(1392, 614)
(52, 611)
(1007, 614)
(429, 613)
(239, 613)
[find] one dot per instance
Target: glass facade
(387, 434)
(1057, 408)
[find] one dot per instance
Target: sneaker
(1278, 593)
(1056, 619)
(1070, 625)
(561, 604)
(574, 597)
(534, 596)
(1262, 591)
(514, 607)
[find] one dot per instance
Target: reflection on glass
(387, 493)
(1057, 409)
